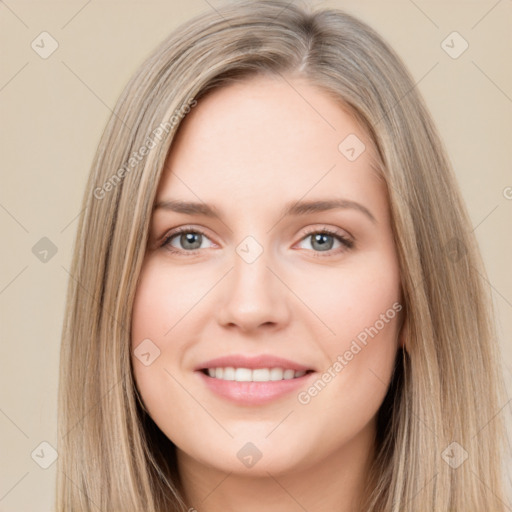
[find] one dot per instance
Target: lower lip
(253, 393)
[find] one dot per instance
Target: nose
(253, 296)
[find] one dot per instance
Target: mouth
(253, 380)
(241, 374)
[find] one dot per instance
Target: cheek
(362, 309)
(151, 301)
(163, 325)
(154, 313)
(352, 298)
(158, 307)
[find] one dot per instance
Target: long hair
(439, 436)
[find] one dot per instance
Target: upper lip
(252, 362)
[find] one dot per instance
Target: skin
(248, 149)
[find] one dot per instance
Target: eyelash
(346, 242)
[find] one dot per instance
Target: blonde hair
(447, 385)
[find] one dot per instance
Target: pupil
(188, 238)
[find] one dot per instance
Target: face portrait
(283, 272)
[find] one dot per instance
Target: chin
(255, 456)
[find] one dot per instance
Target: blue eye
(189, 239)
(322, 241)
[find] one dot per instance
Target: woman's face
(255, 292)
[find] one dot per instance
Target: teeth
(288, 374)
(229, 374)
(241, 374)
(256, 375)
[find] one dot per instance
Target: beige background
(53, 112)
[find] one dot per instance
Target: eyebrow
(294, 208)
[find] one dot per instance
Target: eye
(323, 240)
(188, 240)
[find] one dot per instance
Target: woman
(326, 342)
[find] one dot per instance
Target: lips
(253, 380)
(252, 363)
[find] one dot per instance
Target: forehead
(269, 139)
(253, 110)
